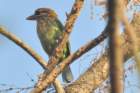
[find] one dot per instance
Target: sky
(17, 68)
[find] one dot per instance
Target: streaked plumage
(49, 30)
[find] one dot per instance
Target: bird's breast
(48, 37)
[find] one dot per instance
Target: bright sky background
(15, 63)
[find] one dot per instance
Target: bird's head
(42, 12)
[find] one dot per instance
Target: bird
(50, 31)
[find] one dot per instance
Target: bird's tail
(67, 75)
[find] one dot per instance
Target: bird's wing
(66, 50)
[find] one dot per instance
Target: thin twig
(18, 88)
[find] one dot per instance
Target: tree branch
(99, 71)
(59, 88)
(53, 61)
(31, 52)
(56, 71)
(24, 46)
(115, 8)
(72, 58)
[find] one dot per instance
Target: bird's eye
(37, 13)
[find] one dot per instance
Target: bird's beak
(32, 17)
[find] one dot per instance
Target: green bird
(50, 30)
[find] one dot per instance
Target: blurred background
(18, 69)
